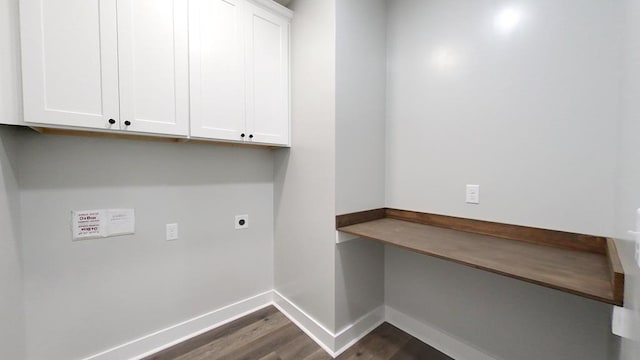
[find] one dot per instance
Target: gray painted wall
(305, 174)
(360, 104)
(10, 78)
(502, 317)
(12, 327)
(12, 331)
(85, 297)
(360, 150)
(336, 129)
(88, 296)
(628, 179)
(530, 115)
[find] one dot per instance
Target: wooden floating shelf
(579, 264)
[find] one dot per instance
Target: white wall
(360, 104)
(628, 177)
(12, 332)
(88, 296)
(530, 115)
(360, 150)
(10, 81)
(523, 94)
(305, 174)
(12, 329)
(502, 317)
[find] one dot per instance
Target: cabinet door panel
(267, 77)
(217, 69)
(154, 68)
(69, 62)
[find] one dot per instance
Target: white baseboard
(434, 337)
(316, 331)
(175, 334)
(334, 344)
(359, 329)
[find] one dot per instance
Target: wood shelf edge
(607, 300)
(359, 217)
(601, 246)
(555, 238)
(617, 272)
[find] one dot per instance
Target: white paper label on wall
(92, 224)
(120, 222)
(87, 224)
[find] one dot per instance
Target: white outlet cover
(172, 232)
(473, 194)
(619, 323)
(625, 323)
(242, 222)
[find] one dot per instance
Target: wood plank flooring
(268, 335)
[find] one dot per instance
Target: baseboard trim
(165, 338)
(310, 326)
(359, 329)
(333, 343)
(433, 336)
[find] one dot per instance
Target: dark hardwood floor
(268, 335)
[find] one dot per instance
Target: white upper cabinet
(239, 71)
(267, 65)
(208, 69)
(106, 64)
(153, 50)
(217, 69)
(70, 62)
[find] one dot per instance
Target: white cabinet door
(267, 69)
(154, 66)
(217, 69)
(69, 59)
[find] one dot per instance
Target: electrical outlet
(473, 194)
(172, 232)
(619, 322)
(242, 222)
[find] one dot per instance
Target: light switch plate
(172, 232)
(473, 194)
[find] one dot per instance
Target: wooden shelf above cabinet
(579, 264)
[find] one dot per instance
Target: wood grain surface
(561, 239)
(616, 272)
(268, 335)
(582, 273)
(359, 217)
